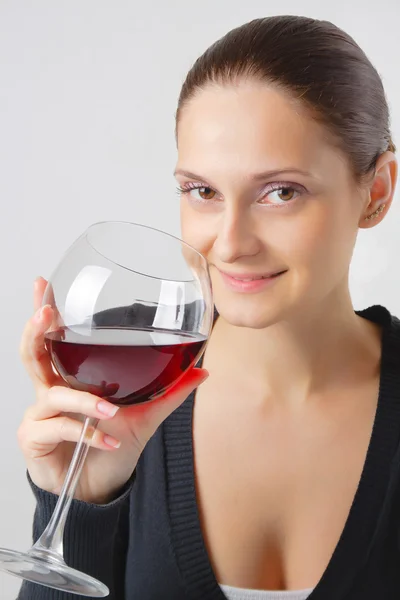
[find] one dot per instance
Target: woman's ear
(380, 190)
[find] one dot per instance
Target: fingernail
(106, 408)
(201, 376)
(205, 376)
(39, 314)
(110, 441)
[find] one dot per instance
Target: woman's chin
(250, 314)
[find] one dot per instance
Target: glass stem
(50, 544)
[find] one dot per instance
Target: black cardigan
(148, 545)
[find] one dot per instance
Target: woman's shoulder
(379, 314)
(390, 325)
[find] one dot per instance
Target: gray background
(88, 90)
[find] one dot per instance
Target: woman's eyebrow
(253, 177)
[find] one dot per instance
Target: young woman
(280, 477)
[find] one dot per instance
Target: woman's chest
(275, 484)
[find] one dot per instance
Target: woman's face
(264, 190)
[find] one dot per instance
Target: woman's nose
(236, 236)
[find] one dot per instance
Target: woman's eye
(281, 195)
(286, 193)
(205, 193)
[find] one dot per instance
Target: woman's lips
(247, 282)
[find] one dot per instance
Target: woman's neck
(327, 348)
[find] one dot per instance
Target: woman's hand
(52, 426)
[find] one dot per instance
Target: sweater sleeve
(96, 539)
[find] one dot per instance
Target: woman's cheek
(193, 228)
(196, 228)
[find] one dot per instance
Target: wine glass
(133, 310)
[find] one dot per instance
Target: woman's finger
(145, 418)
(63, 399)
(49, 298)
(39, 288)
(34, 354)
(40, 438)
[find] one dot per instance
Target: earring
(376, 213)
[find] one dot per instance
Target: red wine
(127, 366)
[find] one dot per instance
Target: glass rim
(170, 235)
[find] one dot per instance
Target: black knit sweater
(148, 544)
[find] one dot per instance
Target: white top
(234, 593)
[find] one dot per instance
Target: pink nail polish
(110, 441)
(107, 409)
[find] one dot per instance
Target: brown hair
(314, 61)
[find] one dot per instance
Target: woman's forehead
(256, 115)
(250, 129)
